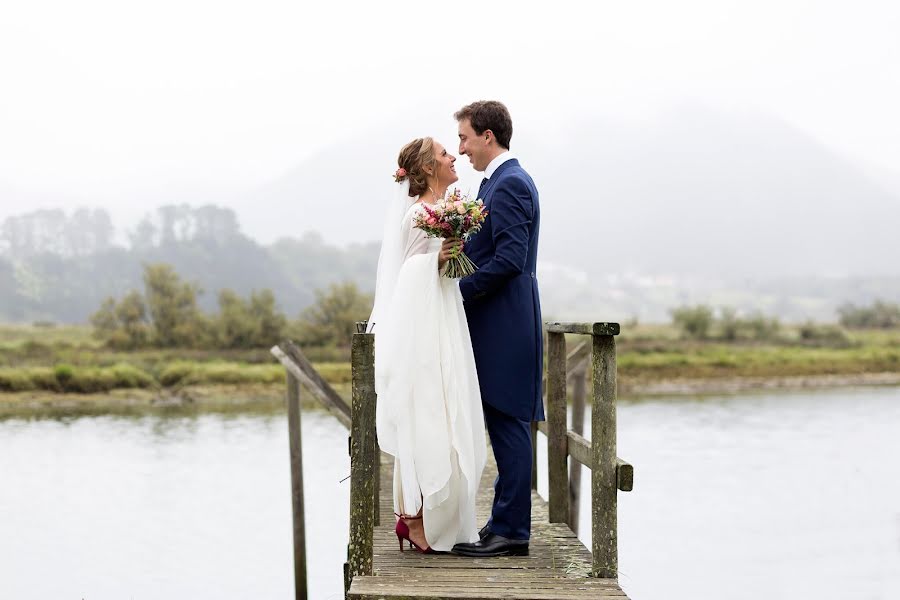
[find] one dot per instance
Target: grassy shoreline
(65, 367)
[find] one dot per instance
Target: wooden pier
(559, 566)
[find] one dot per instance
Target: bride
(429, 415)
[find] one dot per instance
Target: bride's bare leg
(417, 530)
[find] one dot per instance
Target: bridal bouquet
(455, 216)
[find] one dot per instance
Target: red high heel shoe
(402, 531)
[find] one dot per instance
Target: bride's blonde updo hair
(414, 158)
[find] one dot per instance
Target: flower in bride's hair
(399, 174)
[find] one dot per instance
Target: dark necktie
(481, 187)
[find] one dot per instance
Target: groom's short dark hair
(488, 114)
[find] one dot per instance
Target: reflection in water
(775, 496)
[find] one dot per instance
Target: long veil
(393, 248)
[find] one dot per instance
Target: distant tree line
(167, 315)
(82, 233)
(700, 322)
(58, 266)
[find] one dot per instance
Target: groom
(504, 314)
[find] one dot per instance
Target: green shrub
(824, 335)
(234, 373)
(15, 380)
(90, 381)
(729, 324)
(761, 327)
(326, 354)
(693, 321)
(337, 372)
(331, 320)
(129, 376)
(44, 378)
(64, 375)
(175, 373)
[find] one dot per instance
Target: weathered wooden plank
(576, 359)
(397, 589)
(584, 328)
(579, 449)
(557, 426)
(603, 447)
(578, 394)
(436, 581)
(624, 476)
(498, 575)
(362, 456)
(295, 449)
(292, 358)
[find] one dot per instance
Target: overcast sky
(129, 105)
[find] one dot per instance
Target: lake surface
(790, 495)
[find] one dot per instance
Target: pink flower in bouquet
(455, 216)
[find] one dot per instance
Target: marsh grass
(66, 359)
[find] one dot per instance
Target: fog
(695, 141)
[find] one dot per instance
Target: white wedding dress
(429, 414)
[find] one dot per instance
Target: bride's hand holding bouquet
(455, 218)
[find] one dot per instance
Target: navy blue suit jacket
(501, 298)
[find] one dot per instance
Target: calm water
(775, 496)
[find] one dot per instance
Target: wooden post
(557, 427)
(578, 393)
(361, 327)
(362, 456)
(603, 447)
(296, 451)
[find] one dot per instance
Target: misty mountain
(694, 193)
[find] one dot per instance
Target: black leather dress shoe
(493, 545)
(484, 531)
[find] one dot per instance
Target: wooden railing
(608, 472)
(300, 371)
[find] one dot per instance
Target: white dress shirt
(495, 164)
